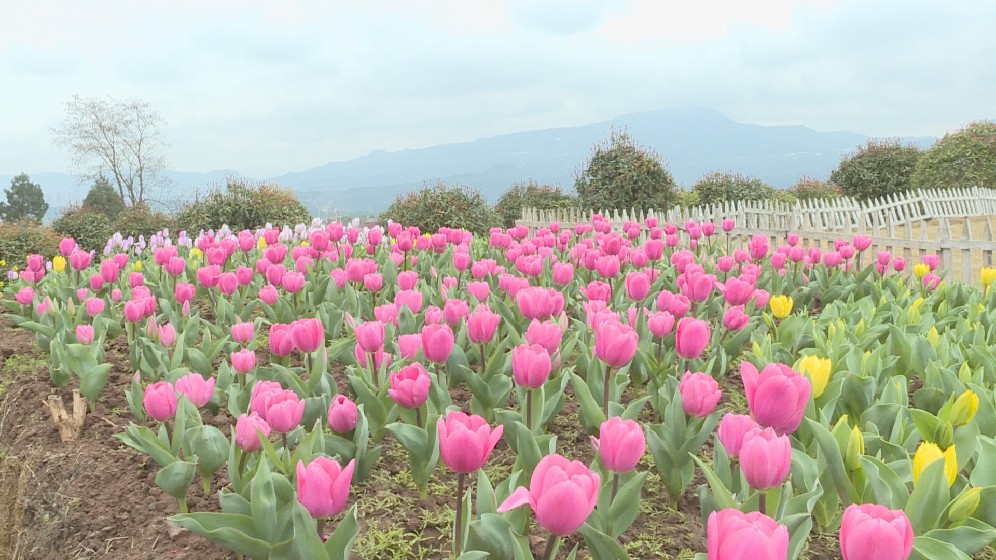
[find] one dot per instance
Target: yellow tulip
(305, 244)
(818, 370)
(933, 336)
(781, 306)
(262, 243)
(920, 270)
(988, 275)
(927, 453)
(138, 265)
(195, 253)
(58, 263)
(964, 408)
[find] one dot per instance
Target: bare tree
(121, 139)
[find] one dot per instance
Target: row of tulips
(641, 326)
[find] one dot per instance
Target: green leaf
(928, 548)
(175, 478)
(626, 505)
(970, 538)
(229, 530)
(340, 543)
(722, 495)
(929, 498)
(307, 543)
(602, 546)
(94, 381)
(491, 535)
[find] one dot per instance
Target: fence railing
(955, 224)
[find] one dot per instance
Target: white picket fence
(955, 224)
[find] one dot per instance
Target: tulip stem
(529, 408)
(762, 502)
(321, 528)
(483, 368)
(207, 486)
(551, 545)
(242, 462)
(615, 487)
(458, 527)
(284, 438)
(418, 416)
(605, 390)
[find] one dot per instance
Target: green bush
(439, 205)
(877, 169)
(243, 205)
(104, 198)
(140, 220)
(962, 159)
(620, 174)
(808, 188)
(530, 195)
(89, 227)
(715, 188)
(21, 238)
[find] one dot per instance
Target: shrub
(877, 169)
(714, 188)
(20, 238)
(89, 227)
(966, 158)
(140, 220)
(104, 198)
(440, 205)
(622, 175)
(808, 188)
(243, 205)
(530, 195)
(24, 200)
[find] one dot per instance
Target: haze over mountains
(692, 141)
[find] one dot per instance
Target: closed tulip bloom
(874, 532)
(381, 358)
(861, 242)
(370, 336)
(243, 332)
(160, 401)
(412, 299)
(410, 386)
(620, 444)
(283, 410)
(197, 389)
(545, 333)
(692, 337)
(373, 281)
(765, 458)
(735, 319)
(660, 323)
(94, 306)
(243, 361)
(480, 290)
(184, 292)
(732, 430)
(482, 325)
(964, 408)
(466, 441)
(268, 294)
(818, 370)
(280, 341)
(437, 342)
(308, 334)
(563, 273)
(531, 365)
(246, 427)
(781, 306)
(776, 396)
(409, 345)
(615, 343)
(734, 535)
(637, 285)
(737, 291)
(342, 414)
(699, 394)
(534, 302)
(134, 311)
(323, 486)
(454, 311)
(167, 335)
(561, 492)
(929, 452)
(84, 334)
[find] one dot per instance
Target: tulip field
(328, 391)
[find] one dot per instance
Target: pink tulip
(25, 295)
(243, 361)
(262, 391)
(410, 386)
(370, 336)
(620, 444)
(737, 291)
(323, 486)
(243, 332)
(84, 334)
(184, 292)
(466, 441)
(874, 532)
(732, 430)
(268, 294)
(765, 458)
(480, 290)
(735, 319)
(899, 264)
(482, 325)
(197, 389)
(134, 311)
(546, 334)
(932, 261)
(381, 358)
(539, 303)
(308, 335)
(280, 341)
(637, 285)
(597, 291)
(283, 410)
(409, 345)
(160, 401)
(734, 535)
(437, 342)
(407, 279)
(167, 334)
(373, 282)
(79, 260)
(342, 414)
(699, 394)
(660, 323)
(563, 273)
(861, 242)
(531, 365)
(776, 396)
(246, 431)
(454, 311)
(412, 299)
(615, 343)
(692, 337)
(561, 492)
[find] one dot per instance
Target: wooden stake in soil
(70, 427)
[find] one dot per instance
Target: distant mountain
(693, 141)
(62, 189)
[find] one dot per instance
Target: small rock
(174, 529)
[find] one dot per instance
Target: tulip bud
(964, 408)
(964, 505)
(933, 336)
(944, 434)
(855, 449)
(965, 371)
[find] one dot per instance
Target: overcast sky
(266, 87)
